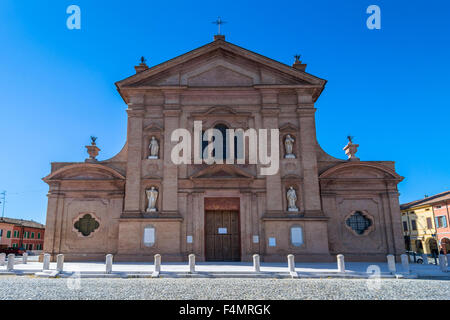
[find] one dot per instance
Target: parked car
(16, 251)
(419, 258)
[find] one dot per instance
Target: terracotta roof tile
(24, 223)
(428, 200)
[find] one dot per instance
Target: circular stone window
(86, 225)
(358, 222)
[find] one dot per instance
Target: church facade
(140, 202)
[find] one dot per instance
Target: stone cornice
(109, 173)
(134, 89)
(291, 217)
(270, 111)
(172, 112)
(135, 112)
(224, 45)
(303, 88)
(306, 112)
(151, 219)
(392, 175)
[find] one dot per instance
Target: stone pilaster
(270, 112)
(133, 183)
(255, 221)
(306, 119)
(59, 223)
(188, 221)
(396, 226)
(198, 224)
(170, 173)
(52, 218)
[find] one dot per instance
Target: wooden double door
(222, 236)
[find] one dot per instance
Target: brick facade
(25, 234)
(100, 207)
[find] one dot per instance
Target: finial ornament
(219, 22)
(92, 150)
(351, 149)
(142, 66)
(350, 139)
(298, 63)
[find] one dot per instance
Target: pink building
(6, 234)
(441, 209)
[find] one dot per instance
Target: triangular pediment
(288, 127)
(217, 64)
(220, 76)
(222, 171)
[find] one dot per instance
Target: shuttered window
(429, 223)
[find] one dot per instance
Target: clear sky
(389, 88)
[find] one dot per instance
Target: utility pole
(3, 201)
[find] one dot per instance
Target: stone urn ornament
(92, 150)
(351, 149)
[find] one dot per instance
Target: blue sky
(389, 88)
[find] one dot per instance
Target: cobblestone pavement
(25, 288)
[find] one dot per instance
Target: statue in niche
(289, 146)
(152, 196)
(154, 148)
(292, 199)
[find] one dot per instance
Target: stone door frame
(227, 203)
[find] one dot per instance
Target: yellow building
(419, 229)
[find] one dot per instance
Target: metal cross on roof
(219, 22)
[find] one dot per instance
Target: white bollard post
(341, 263)
(291, 263)
(391, 263)
(291, 266)
(109, 263)
(405, 262)
(192, 263)
(10, 266)
(256, 263)
(157, 263)
(24, 258)
(46, 262)
(443, 262)
(2, 259)
(59, 262)
(425, 258)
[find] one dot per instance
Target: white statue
(154, 148)
(289, 146)
(292, 198)
(152, 196)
